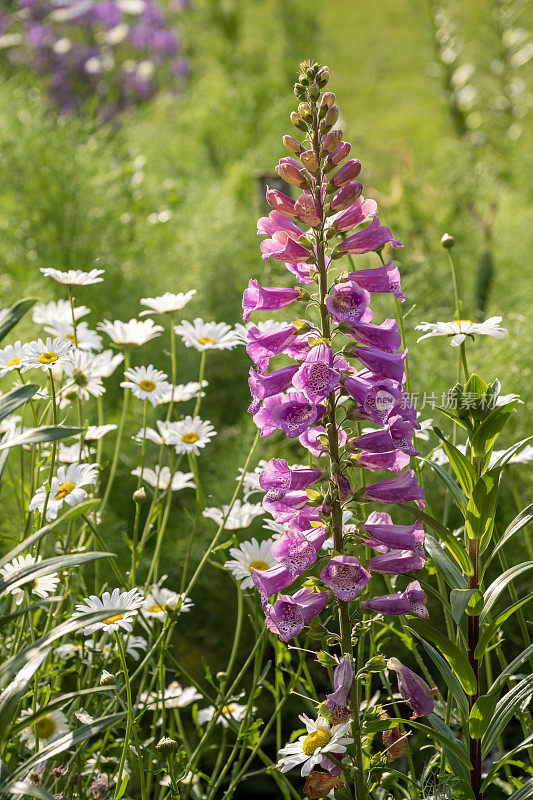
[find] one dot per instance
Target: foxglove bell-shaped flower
(348, 302)
(262, 346)
(412, 601)
(295, 414)
(273, 580)
(379, 279)
(285, 509)
(263, 417)
(278, 478)
(262, 386)
(338, 702)
(383, 337)
(345, 576)
(371, 238)
(276, 222)
(288, 616)
(381, 531)
(396, 562)
(387, 365)
(310, 439)
(280, 202)
(294, 551)
(397, 490)
(377, 398)
(316, 378)
(284, 248)
(270, 298)
(413, 689)
(393, 460)
(354, 214)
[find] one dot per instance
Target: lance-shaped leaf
(454, 655)
(453, 577)
(447, 538)
(459, 497)
(458, 762)
(500, 584)
(10, 697)
(25, 789)
(15, 398)
(449, 676)
(494, 626)
(465, 472)
(519, 522)
(481, 506)
(59, 702)
(486, 434)
(39, 569)
(481, 714)
(524, 793)
(460, 599)
(11, 317)
(528, 741)
(503, 712)
(511, 668)
(48, 433)
(444, 737)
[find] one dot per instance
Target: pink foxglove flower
(338, 702)
(270, 298)
(289, 615)
(412, 601)
(414, 690)
(345, 576)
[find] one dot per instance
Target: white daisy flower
(249, 556)
(461, 328)
(74, 277)
(9, 426)
(175, 696)
(160, 600)
(57, 311)
(42, 587)
(161, 479)
(147, 383)
(165, 431)
(241, 515)
(308, 750)
(83, 339)
(136, 331)
(267, 326)
(426, 426)
(85, 374)
(182, 392)
(125, 606)
(190, 434)
(166, 303)
(12, 357)
(95, 432)
(207, 335)
(250, 480)
(136, 646)
(106, 363)
(65, 487)
(232, 710)
(67, 650)
(70, 453)
(48, 354)
(48, 727)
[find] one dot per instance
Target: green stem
(118, 442)
(457, 302)
(129, 718)
(136, 522)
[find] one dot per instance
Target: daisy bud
(292, 145)
(139, 496)
(298, 122)
(167, 746)
(106, 678)
(447, 241)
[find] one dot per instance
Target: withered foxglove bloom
(414, 690)
(338, 702)
(345, 576)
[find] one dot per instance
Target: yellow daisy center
(45, 727)
(156, 609)
(314, 740)
(64, 489)
(205, 340)
(258, 565)
(47, 358)
(147, 386)
(79, 377)
(190, 438)
(115, 618)
(227, 709)
(463, 322)
(71, 338)
(14, 362)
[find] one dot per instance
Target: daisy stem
(120, 432)
(466, 371)
(137, 504)
(54, 446)
(129, 718)
(200, 380)
(453, 271)
(173, 366)
(193, 464)
(154, 566)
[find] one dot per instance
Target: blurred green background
(165, 199)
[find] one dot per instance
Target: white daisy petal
(207, 335)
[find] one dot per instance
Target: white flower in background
(83, 339)
(175, 696)
(147, 383)
(232, 710)
(57, 311)
(42, 393)
(250, 480)
(161, 479)
(241, 515)
(85, 377)
(48, 727)
(308, 750)
(123, 605)
(190, 434)
(426, 425)
(503, 399)
(131, 6)
(267, 326)
(48, 354)
(249, 556)
(207, 335)
(11, 357)
(165, 431)
(68, 650)
(160, 601)
(166, 303)
(74, 277)
(42, 587)
(70, 453)
(461, 328)
(136, 331)
(107, 362)
(182, 392)
(66, 487)
(95, 432)
(9, 425)
(275, 527)
(136, 646)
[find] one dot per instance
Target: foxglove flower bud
(330, 142)
(355, 214)
(310, 161)
(412, 601)
(298, 122)
(348, 172)
(345, 576)
(308, 210)
(280, 202)
(292, 145)
(414, 690)
(346, 196)
(339, 154)
(331, 117)
(291, 173)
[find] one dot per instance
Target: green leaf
(476, 385)
(447, 739)
(481, 506)
(449, 676)
(58, 702)
(519, 522)
(459, 599)
(486, 434)
(505, 759)
(455, 656)
(16, 397)
(481, 714)
(465, 472)
(505, 709)
(48, 433)
(525, 792)
(122, 789)
(453, 577)
(15, 313)
(492, 629)
(60, 745)
(510, 669)
(40, 568)
(501, 582)
(456, 492)
(10, 697)
(26, 789)
(459, 762)
(458, 421)
(509, 453)
(448, 539)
